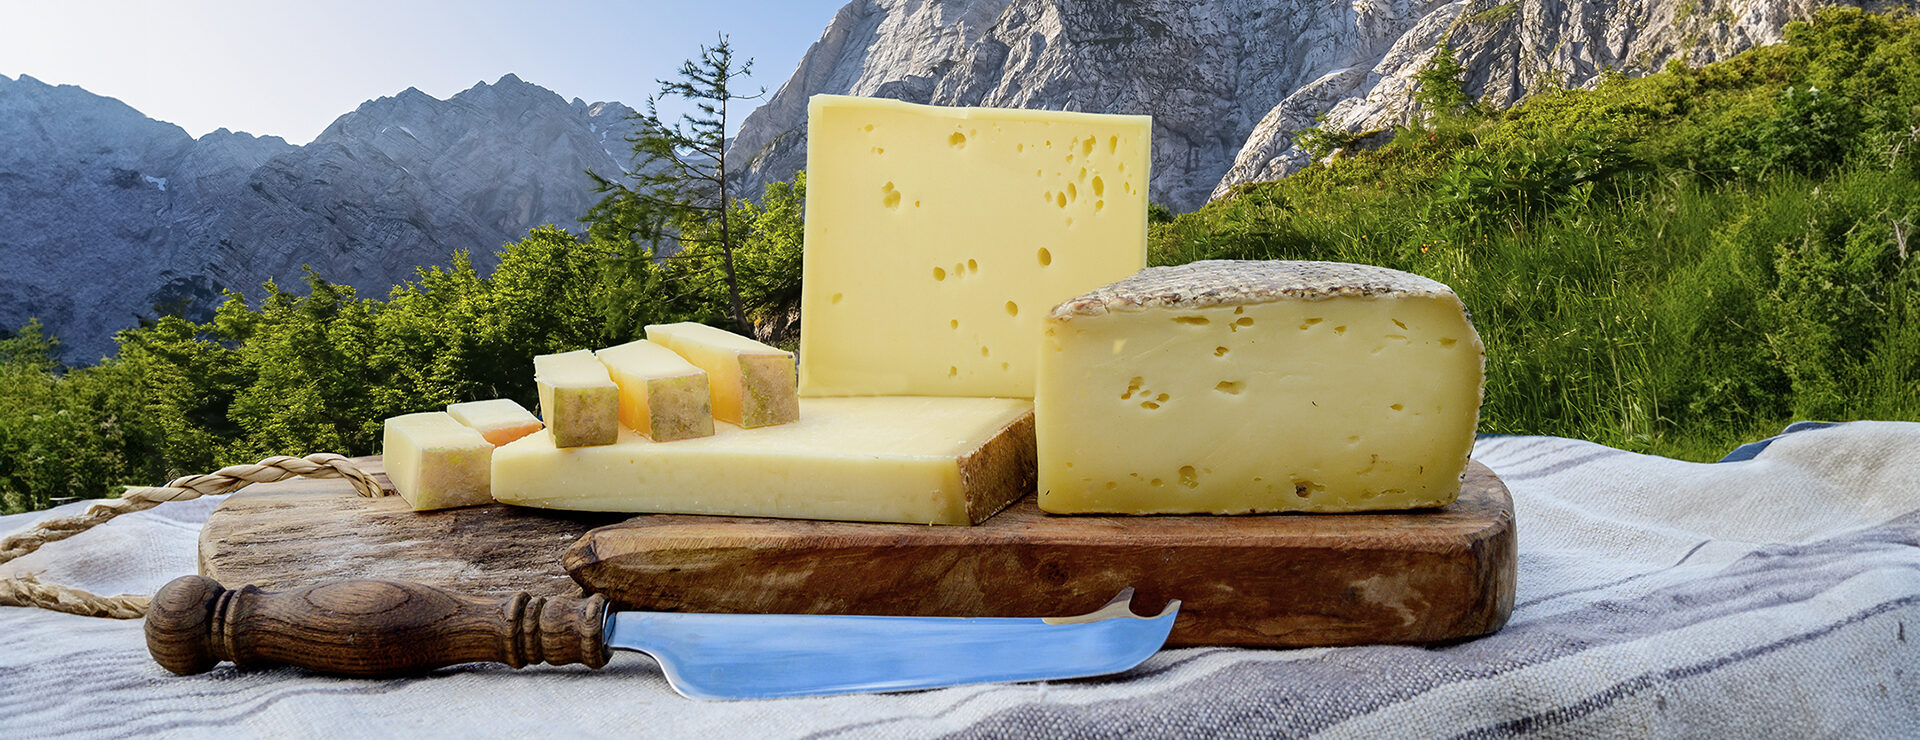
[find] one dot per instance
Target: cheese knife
(388, 628)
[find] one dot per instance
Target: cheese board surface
(300, 532)
(1272, 580)
(1282, 580)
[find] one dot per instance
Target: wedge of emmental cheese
(1231, 387)
(938, 237)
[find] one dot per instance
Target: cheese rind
(661, 394)
(435, 462)
(751, 384)
(499, 420)
(900, 459)
(937, 238)
(578, 400)
(1243, 387)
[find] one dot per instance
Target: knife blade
(392, 628)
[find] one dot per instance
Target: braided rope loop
(28, 591)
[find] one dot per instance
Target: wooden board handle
(367, 628)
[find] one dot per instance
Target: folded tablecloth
(1767, 596)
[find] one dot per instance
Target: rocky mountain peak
(110, 213)
(1229, 82)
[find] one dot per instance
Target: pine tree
(678, 189)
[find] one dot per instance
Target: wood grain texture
(299, 532)
(367, 628)
(1273, 580)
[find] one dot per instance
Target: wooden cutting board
(1281, 580)
(299, 532)
(1276, 580)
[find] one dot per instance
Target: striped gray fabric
(1762, 598)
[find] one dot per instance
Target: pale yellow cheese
(661, 394)
(578, 400)
(752, 384)
(1238, 387)
(938, 238)
(499, 420)
(436, 462)
(901, 459)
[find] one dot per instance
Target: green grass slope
(1672, 264)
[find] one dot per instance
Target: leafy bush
(303, 372)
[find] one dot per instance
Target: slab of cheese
(436, 462)
(499, 420)
(1240, 387)
(887, 459)
(752, 384)
(938, 238)
(578, 400)
(661, 394)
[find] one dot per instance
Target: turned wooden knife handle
(367, 628)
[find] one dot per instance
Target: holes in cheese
(499, 420)
(579, 402)
(979, 222)
(1264, 407)
(661, 394)
(750, 384)
(436, 462)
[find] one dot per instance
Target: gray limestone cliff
(106, 214)
(1229, 82)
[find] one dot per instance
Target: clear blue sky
(288, 69)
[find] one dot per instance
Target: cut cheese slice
(661, 394)
(579, 402)
(900, 459)
(436, 462)
(500, 420)
(752, 384)
(1239, 387)
(937, 239)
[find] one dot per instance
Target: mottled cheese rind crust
(751, 384)
(661, 394)
(435, 462)
(578, 400)
(1245, 387)
(1209, 283)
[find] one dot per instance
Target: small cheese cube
(500, 420)
(661, 394)
(579, 402)
(1240, 387)
(901, 459)
(436, 462)
(938, 238)
(752, 384)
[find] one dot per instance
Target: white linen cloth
(1767, 597)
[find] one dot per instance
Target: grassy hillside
(1670, 264)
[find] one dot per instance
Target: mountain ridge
(106, 213)
(1230, 83)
